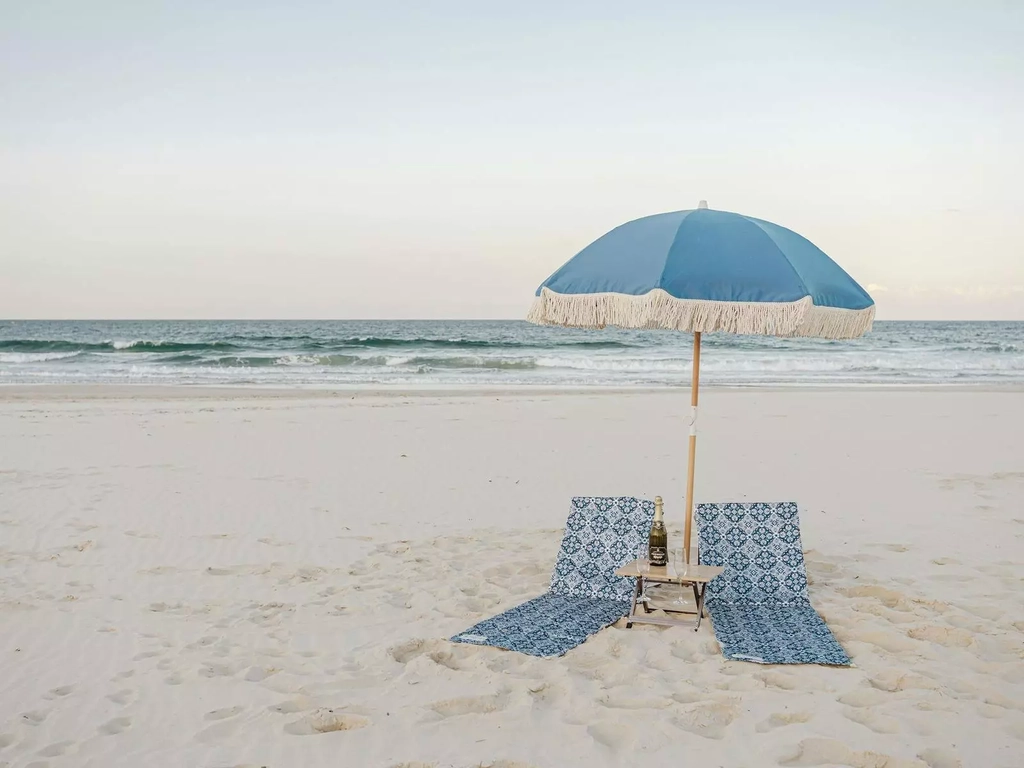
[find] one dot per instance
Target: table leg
(700, 603)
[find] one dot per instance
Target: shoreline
(71, 392)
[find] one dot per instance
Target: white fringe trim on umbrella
(660, 309)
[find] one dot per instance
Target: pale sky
(441, 159)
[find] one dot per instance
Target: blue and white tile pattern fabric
(759, 606)
(793, 634)
(759, 545)
(601, 534)
(548, 625)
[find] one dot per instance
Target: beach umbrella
(700, 271)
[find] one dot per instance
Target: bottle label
(658, 556)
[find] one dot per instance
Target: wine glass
(643, 566)
(678, 566)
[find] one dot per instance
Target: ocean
(348, 353)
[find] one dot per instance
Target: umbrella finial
(702, 205)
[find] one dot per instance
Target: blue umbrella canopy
(705, 270)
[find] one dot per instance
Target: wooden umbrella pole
(694, 386)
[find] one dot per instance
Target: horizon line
(384, 320)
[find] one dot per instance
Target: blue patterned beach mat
(759, 607)
(601, 534)
(548, 625)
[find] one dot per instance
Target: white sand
(227, 580)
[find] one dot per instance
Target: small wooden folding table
(697, 576)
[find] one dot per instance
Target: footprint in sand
(941, 758)
(688, 652)
(122, 697)
(997, 699)
(159, 570)
(326, 721)
(259, 674)
(870, 719)
(831, 752)
(689, 696)
(454, 658)
(864, 697)
(290, 707)
(991, 711)
(887, 641)
(949, 637)
(709, 720)
(785, 681)
(115, 726)
(512, 663)
(469, 705)
(890, 598)
(545, 695)
(615, 736)
(6, 739)
(35, 717)
(450, 658)
(780, 719)
(223, 714)
(627, 701)
(57, 749)
(59, 693)
(405, 652)
(218, 670)
(894, 680)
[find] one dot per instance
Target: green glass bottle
(657, 542)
